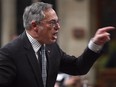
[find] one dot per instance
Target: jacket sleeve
(78, 65)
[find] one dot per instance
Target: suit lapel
(50, 65)
(35, 67)
(32, 59)
(53, 61)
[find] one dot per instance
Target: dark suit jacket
(19, 66)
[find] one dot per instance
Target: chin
(52, 41)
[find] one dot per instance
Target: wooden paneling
(107, 78)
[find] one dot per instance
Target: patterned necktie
(43, 63)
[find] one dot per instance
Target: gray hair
(34, 12)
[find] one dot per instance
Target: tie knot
(42, 48)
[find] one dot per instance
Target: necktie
(43, 63)
(40, 58)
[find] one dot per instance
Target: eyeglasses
(52, 23)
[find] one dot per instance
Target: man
(20, 63)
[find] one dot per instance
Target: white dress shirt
(35, 44)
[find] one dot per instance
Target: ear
(33, 23)
(34, 26)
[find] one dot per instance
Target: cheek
(46, 32)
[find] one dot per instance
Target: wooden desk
(107, 78)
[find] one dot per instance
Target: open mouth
(55, 35)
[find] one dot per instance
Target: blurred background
(79, 19)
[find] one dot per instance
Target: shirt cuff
(94, 47)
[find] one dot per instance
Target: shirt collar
(35, 44)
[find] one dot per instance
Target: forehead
(50, 14)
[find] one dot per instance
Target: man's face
(48, 28)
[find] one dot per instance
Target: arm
(78, 65)
(82, 64)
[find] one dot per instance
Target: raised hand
(102, 35)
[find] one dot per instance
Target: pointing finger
(106, 29)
